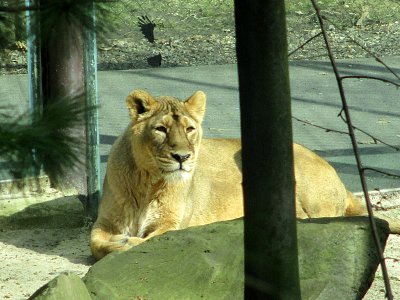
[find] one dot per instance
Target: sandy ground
(392, 251)
(31, 258)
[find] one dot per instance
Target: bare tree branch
(374, 55)
(381, 172)
(345, 109)
(318, 126)
(305, 43)
(376, 140)
(370, 77)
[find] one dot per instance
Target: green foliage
(55, 13)
(34, 140)
(50, 135)
(6, 29)
(52, 13)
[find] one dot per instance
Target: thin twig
(377, 58)
(370, 77)
(305, 43)
(344, 132)
(345, 108)
(318, 126)
(393, 258)
(376, 140)
(379, 171)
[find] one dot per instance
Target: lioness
(161, 175)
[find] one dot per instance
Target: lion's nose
(179, 157)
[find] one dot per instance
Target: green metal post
(34, 79)
(33, 45)
(92, 124)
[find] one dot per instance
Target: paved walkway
(375, 107)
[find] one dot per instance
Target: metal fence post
(92, 124)
(35, 100)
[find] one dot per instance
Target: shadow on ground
(56, 227)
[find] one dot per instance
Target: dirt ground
(31, 258)
(192, 33)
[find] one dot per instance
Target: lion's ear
(139, 103)
(196, 105)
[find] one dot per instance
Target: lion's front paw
(120, 238)
(134, 241)
(120, 242)
(124, 242)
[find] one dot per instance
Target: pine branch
(52, 13)
(48, 140)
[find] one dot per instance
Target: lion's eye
(161, 129)
(190, 129)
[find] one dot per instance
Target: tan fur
(147, 191)
(321, 193)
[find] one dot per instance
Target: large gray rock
(337, 261)
(198, 263)
(66, 286)
(337, 257)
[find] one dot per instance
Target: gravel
(30, 261)
(31, 258)
(218, 47)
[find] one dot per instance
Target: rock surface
(198, 263)
(66, 286)
(336, 255)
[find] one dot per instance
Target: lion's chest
(140, 221)
(159, 205)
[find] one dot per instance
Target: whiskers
(173, 171)
(176, 176)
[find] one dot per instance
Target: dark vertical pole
(92, 133)
(62, 61)
(271, 264)
(69, 69)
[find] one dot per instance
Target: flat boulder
(338, 257)
(66, 286)
(204, 262)
(337, 260)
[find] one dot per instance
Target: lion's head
(166, 133)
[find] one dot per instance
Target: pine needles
(50, 140)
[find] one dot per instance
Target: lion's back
(319, 190)
(217, 184)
